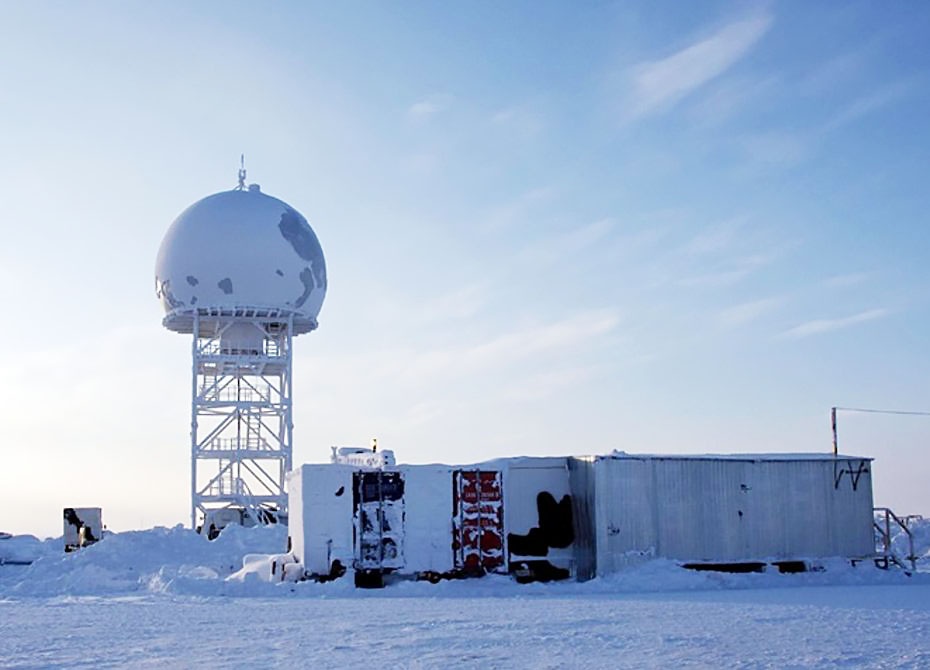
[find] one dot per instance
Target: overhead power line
(880, 411)
(863, 410)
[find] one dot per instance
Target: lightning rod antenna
(241, 185)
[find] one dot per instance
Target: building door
(378, 498)
(478, 521)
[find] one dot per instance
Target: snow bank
(22, 549)
(920, 531)
(250, 562)
(270, 568)
(163, 560)
(659, 576)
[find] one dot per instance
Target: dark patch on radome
(192, 280)
(306, 278)
(194, 300)
(225, 285)
(319, 272)
(163, 290)
(279, 273)
(295, 229)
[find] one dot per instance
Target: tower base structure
(241, 421)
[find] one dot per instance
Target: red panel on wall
(478, 520)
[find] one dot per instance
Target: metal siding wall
(582, 485)
(805, 512)
(800, 513)
(689, 509)
(675, 500)
(625, 515)
(699, 505)
(852, 512)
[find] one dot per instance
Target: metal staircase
(884, 521)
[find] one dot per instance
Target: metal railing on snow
(886, 521)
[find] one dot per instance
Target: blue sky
(549, 228)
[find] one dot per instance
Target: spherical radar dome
(240, 250)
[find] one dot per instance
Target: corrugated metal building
(719, 509)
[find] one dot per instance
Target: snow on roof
(802, 456)
(560, 461)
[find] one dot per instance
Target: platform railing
(884, 523)
(217, 347)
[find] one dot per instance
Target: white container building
(555, 517)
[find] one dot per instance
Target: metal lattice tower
(241, 425)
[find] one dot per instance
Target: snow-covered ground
(167, 597)
(841, 626)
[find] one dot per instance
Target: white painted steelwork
(242, 273)
(241, 416)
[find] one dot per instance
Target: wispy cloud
(557, 247)
(721, 254)
(818, 326)
(776, 147)
(714, 238)
(548, 383)
(545, 339)
(520, 120)
(842, 281)
(425, 367)
(426, 108)
(419, 414)
(868, 104)
(732, 95)
(656, 86)
(728, 272)
(516, 210)
(423, 162)
(785, 148)
(566, 333)
(836, 71)
(461, 303)
(743, 313)
(418, 385)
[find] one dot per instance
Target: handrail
(238, 443)
(217, 347)
(885, 534)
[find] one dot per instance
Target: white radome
(240, 250)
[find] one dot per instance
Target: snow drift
(178, 561)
